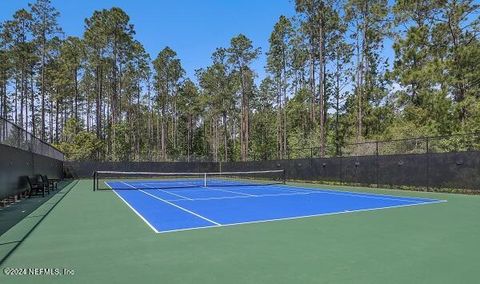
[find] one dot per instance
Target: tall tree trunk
(321, 88)
(5, 101)
(244, 123)
(56, 120)
(213, 137)
(50, 118)
(22, 97)
(42, 85)
(32, 110)
(225, 136)
(363, 70)
(175, 118)
(358, 88)
(98, 107)
(188, 137)
(64, 120)
(16, 99)
(3, 97)
(89, 105)
(234, 134)
(283, 102)
(312, 83)
(107, 114)
(337, 107)
(162, 137)
(159, 141)
(279, 122)
(284, 149)
(75, 80)
(114, 101)
(25, 88)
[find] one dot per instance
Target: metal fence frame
(456, 171)
(417, 145)
(14, 136)
(444, 170)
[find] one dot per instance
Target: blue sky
(192, 28)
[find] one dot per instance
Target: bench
(37, 185)
(52, 182)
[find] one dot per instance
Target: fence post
(428, 162)
(311, 153)
(94, 178)
(377, 164)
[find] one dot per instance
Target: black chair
(36, 186)
(44, 182)
(52, 183)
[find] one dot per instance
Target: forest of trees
(329, 82)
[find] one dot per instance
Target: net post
(205, 180)
(284, 177)
(94, 180)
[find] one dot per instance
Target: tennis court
(104, 241)
(176, 204)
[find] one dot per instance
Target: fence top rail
(29, 133)
(33, 138)
(424, 138)
(414, 138)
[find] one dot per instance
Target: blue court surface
(187, 208)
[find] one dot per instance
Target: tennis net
(118, 180)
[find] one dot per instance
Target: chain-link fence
(15, 136)
(453, 171)
(419, 145)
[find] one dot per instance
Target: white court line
(184, 209)
(298, 190)
(136, 212)
(224, 190)
(174, 205)
(366, 195)
(209, 188)
(307, 191)
(336, 192)
(216, 189)
(169, 182)
(305, 216)
(251, 196)
(177, 195)
(301, 191)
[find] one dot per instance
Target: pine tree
(241, 53)
(369, 22)
(168, 72)
(44, 27)
(278, 63)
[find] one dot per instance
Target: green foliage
(436, 63)
(263, 123)
(78, 145)
(100, 96)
